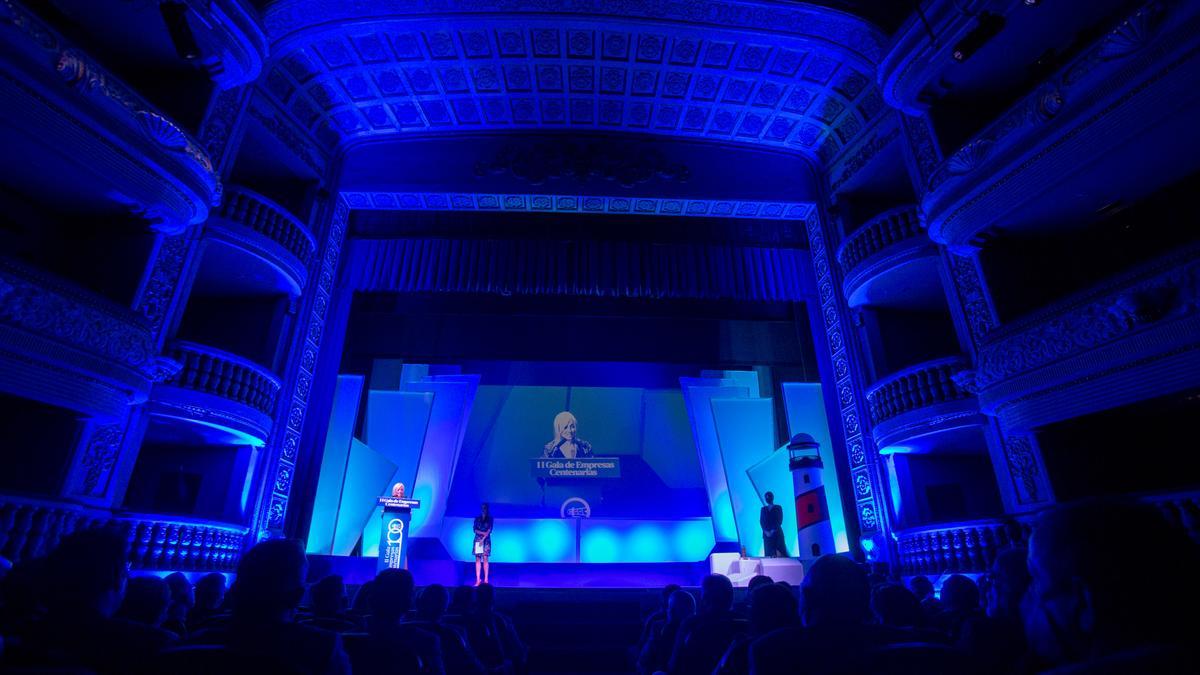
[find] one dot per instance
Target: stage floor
(355, 571)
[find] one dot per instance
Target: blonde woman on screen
(566, 443)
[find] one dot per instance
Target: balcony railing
(31, 528)
(911, 389)
(972, 546)
(962, 547)
(213, 371)
(271, 220)
(881, 232)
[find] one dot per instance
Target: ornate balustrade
(920, 401)
(886, 229)
(1131, 89)
(213, 371)
(886, 242)
(124, 152)
(31, 528)
(270, 220)
(972, 546)
(291, 246)
(1134, 336)
(70, 347)
(962, 547)
(923, 385)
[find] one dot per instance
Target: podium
(393, 537)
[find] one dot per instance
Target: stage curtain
(599, 268)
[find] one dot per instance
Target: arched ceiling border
(571, 203)
(745, 73)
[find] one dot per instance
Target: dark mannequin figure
(770, 519)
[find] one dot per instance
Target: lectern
(393, 537)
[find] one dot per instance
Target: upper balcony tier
(931, 58)
(1076, 145)
(1133, 337)
(71, 348)
(252, 223)
(230, 45)
(918, 402)
(229, 397)
(890, 262)
(29, 528)
(80, 141)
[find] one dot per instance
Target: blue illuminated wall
(632, 411)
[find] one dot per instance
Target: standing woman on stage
(483, 542)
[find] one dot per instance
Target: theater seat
(916, 657)
(206, 659)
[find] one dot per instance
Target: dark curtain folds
(574, 268)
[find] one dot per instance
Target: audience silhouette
(1094, 608)
(1071, 603)
(268, 589)
(655, 653)
(702, 639)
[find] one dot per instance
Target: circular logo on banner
(575, 507)
(395, 530)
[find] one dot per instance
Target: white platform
(740, 570)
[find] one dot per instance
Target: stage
(356, 571)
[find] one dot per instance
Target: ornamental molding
(231, 39)
(743, 78)
(973, 300)
(34, 302)
(1165, 290)
(288, 132)
(284, 18)
(577, 203)
(168, 176)
(867, 505)
(1024, 467)
(1087, 103)
(583, 162)
(285, 446)
(914, 59)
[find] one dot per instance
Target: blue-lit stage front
(597, 474)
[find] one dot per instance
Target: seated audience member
(491, 634)
(329, 604)
(743, 608)
(210, 594)
(361, 607)
(461, 601)
(703, 639)
(391, 599)
(659, 614)
(996, 641)
(82, 586)
(269, 586)
(431, 606)
(19, 602)
(771, 607)
(655, 654)
(183, 599)
(960, 603)
(1092, 610)
(146, 601)
(922, 587)
(835, 599)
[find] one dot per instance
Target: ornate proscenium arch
(791, 76)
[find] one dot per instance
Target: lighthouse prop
(814, 533)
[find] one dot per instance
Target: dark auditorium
(599, 337)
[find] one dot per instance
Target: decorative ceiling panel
(794, 77)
